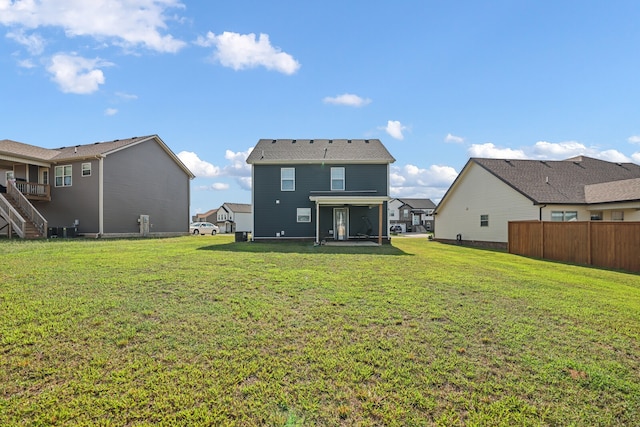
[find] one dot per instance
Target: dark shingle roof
(290, 151)
(97, 148)
(617, 191)
(239, 207)
(14, 148)
(419, 203)
(559, 181)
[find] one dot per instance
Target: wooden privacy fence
(602, 244)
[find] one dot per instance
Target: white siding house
(488, 193)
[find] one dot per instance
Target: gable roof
(19, 150)
(296, 151)
(557, 181)
(238, 207)
(419, 203)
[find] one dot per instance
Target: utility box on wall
(144, 225)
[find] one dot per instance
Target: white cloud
(394, 129)
(568, 149)
(242, 51)
(200, 168)
(128, 23)
(75, 74)
(219, 186)
(239, 165)
(635, 157)
(110, 111)
(488, 150)
(126, 96)
(33, 42)
(26, 63)
(634, 139)
(348, 99)
(413, 181)
(237, 168)
(454, 139)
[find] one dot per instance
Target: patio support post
(317, 222)
(380, 224)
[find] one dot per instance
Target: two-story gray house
(128, 187)
(320, 189)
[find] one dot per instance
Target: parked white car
(203, 228)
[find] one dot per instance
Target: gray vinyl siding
(77, 202)
(144, 180)
(271, 217)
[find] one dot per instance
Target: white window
(617, 216)
(63, 176)
(337, 179)
(304, 214)
(287, 179)
(560, 216)
(484, 220)
(86, 169)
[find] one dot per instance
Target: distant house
(209, 216)
(488, 193)
(232, 217)
(127, 187)
(320, 189)
(412, 214)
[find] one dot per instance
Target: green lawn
(200, 330)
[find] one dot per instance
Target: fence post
(589, 243)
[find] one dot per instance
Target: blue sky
(436, 81)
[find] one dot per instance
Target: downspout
(101, 197)
(540, 210)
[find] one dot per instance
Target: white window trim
(55, 176)
(83, 169)
(282, 179)
(485, 220)
(341, 179)
(303, 213)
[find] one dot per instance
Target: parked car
(395, 228)
(203, 228)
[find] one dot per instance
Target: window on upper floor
(287, 179)
(63, 176)
(484, 220)
(86, 169)
(337, 179)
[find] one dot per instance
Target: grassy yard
(200, 330)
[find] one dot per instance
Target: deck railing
(26, 206)
(11, 215)
(33, 190)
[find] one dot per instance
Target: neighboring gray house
(209, 216)
(127, 187)
(488, 193)
(320, 189)
(412, 214)
(232, 217)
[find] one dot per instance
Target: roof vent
(349, 141)
(273, 141)
(293, 141)
(311, 141)
(366, 141)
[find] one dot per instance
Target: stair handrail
(13, 217)
(32, 213)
